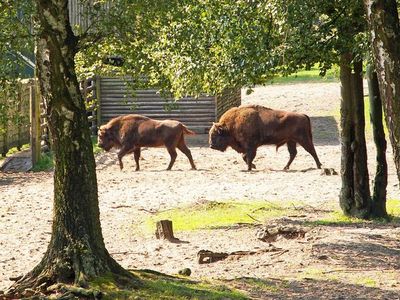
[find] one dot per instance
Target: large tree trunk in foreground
(355, 197)
(376, 116)
(384, 25)
(76, 252)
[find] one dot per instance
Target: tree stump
(164, 230)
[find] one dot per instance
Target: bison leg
(185, 150)
(309, 147)
(250, 155)
(124, 150)
(136, 154)
(244, 156)
(172, 153)
(291, 145)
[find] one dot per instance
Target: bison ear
(221, 129)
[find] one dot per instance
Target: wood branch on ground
(207, 256)
(271, 233)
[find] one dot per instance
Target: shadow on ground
(325, 131)
(308, 289)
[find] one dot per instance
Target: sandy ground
(127, 196)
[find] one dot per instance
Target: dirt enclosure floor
(354, 261)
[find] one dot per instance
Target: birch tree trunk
(76, 252)
(383, 21)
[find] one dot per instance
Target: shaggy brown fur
(131, 132)
(247, 127)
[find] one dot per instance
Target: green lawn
(305, 76)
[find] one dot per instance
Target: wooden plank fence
(24, 121)
(115, 98)
(15, 123)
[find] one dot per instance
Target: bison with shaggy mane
(247, 127)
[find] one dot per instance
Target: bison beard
(247, 127)
(131, 132)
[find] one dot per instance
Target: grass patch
(305, 76)
(45, 163)
(213, 214)
(14, 150)
(337, 218)
(96, 148)
(156, 285)
(369, 282)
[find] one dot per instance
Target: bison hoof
(253, 166)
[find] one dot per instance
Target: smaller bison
(247, 127)
(131, 132)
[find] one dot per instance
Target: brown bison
(131, 132)
(247, 127)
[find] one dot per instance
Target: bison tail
(309, 127)
(188, 131)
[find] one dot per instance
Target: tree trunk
(355, 197)
(384, 25)
(76, 252)
(347, 135)
(362, 195)
(376, 116)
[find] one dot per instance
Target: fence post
(98, 100)
(35, 123)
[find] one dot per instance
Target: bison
(247, 127)
(131, 132)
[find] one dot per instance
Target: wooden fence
(115, 97)
(15, 123)
(23, 118)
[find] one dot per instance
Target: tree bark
(346, 135)
(362, 195)
(355, 197)
(384, 26)
(376, 116)
(76, 252)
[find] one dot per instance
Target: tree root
(47, 283)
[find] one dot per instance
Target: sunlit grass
(367, 281)
(338, 218)
(214, 214)
(154, 285)
(311, 75)
(14, 150)
(96, 148)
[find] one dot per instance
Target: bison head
(105, 138)
(219, 137)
